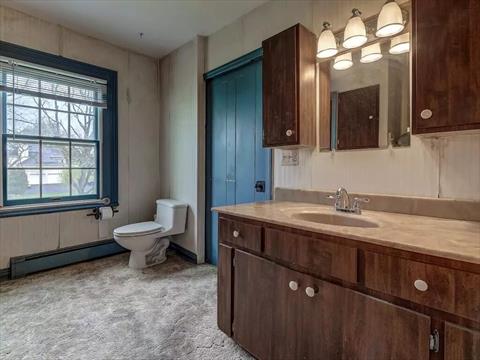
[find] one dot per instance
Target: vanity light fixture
(371, 53)
(355, 34)
(343, 62)
(390, 20)
(327, 44)
(400, 44)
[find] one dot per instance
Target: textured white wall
(448, 167)
(181, 137)
(138, 109)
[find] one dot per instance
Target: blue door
(238, 167)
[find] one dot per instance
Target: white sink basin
(334, 219)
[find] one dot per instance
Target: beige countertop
(452, 239)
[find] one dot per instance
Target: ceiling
(165, 24)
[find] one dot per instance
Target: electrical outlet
(289, 157)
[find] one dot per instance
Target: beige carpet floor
(104, 310)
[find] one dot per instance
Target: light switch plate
(289, 157)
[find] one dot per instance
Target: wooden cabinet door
(357, 122)
(343, 324)
(265, 308)
(446, 65)
(461, 343)
(280, 89)
(224, 289)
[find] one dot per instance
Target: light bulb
(343, 62)
(355, 34)
(327, 45)
(390, 20)
(371, 53)
(400, 44)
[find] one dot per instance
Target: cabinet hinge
(233, 261)
(434, 341)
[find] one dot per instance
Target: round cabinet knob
(310, 291)
(426, 114)
(236, 233)
(420, 285)
(293, 285)
(289, 132)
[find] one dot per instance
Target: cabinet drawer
(318, 256)
(450, 290)
(241, 234)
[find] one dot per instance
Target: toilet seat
(138, 229)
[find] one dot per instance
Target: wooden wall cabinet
(446, 66)
(301, 295)
(289, 88)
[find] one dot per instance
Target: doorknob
(260, 186)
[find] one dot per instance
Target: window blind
(29, 79)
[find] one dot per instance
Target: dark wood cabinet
(289, 88)
(461, 343)
(253, 312)
(273, 320)
(224, 288)
(357, 119)
(291, 294)
(450, 290)
(446, 66)
(355, 326)
(265, 308)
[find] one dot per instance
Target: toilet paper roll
(106, 212)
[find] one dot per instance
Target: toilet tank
(172, 214)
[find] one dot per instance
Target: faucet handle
(356, 204)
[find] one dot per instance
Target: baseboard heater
(23, 265)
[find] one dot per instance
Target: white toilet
(148, 241)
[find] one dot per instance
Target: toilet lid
(143, 228)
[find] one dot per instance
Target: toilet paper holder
(96, 212)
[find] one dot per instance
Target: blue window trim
(109, 148)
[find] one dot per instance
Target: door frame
(233, 65)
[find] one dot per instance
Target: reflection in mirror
(369, 101)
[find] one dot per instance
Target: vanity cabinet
(461, 343)
(289, 88)
(285, 293)
(446, 66)
(274, 318)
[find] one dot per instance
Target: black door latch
(260, 186)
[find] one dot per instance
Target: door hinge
(434, 341)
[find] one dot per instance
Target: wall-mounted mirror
(370, 103)
(364, 88)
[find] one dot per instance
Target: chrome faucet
(342, 202)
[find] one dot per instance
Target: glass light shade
(343, 62)
(355, 34)
(327, 45)
(400, 44)
(390, 20)
(371, 53)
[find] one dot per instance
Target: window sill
(47, 208)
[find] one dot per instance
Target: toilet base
(154, 256)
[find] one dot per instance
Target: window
(58, 130)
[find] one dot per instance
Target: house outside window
(53, 126)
